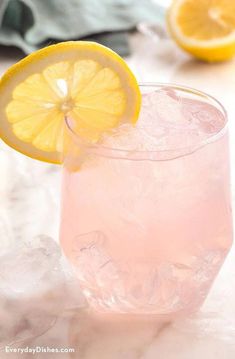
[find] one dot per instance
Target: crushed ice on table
(35, 287)
(167, 122)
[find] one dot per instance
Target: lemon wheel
(82, 80)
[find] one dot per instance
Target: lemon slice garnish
(83, 81)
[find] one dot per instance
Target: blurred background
(32, 24)
(30, 190)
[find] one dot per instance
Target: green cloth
(31, 24)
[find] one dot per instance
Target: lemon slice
(204, 28)
(83, 81)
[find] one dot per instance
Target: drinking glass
(148, 231)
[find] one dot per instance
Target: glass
(148, 231)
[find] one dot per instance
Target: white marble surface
(30, 206)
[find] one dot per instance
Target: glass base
(99, 306)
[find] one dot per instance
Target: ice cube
(162, 108)
(167, 122)
(35, 287)
(207, 118)
(29, 266)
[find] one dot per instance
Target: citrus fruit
(83, 81)
(204, 28)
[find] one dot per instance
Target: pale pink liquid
(148, 233)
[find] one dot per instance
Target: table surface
(30, 206)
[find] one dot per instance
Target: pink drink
(146, 220)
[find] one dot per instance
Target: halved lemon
(83, 81)
(204, 28)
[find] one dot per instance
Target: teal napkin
(31, 24)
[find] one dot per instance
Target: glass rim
(157, 155)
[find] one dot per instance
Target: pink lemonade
(146, 213)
